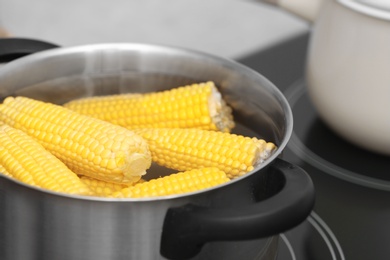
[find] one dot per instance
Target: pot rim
(288, 116)
(374, 11)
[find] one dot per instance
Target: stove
(313, 239)
(351, 216)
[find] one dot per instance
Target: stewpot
(348, 64)
(241, 219)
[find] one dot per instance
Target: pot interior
(60, 75)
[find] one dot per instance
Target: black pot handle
(187, 228)
(14, 48)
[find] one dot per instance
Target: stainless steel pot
(241, 219)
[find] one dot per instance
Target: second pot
(348, 72)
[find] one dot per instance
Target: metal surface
(42, 225)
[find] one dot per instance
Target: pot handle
(187, 228)
(14, 48)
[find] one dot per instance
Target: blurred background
(228, 28)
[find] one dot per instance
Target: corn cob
(5, 172)
(187, 149)
(28, 161)
(193, 106)
(91, 146)
(102, 188)
(178, 183)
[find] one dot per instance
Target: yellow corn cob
(187, 149)
(196, 106)
(103, 188)
(178, 183)
(94, 147)
(28, 161)
(4, 171)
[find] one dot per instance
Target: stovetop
(351, 216)
(312, 239)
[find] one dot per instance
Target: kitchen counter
(228, 28)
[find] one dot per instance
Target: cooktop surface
(314, 142)
(312, 239)
(352, 185)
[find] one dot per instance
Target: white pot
(348, 72)
(348, 67)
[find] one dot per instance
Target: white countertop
(228, 28)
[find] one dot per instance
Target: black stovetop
(352, 211)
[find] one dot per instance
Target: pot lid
(375, 8)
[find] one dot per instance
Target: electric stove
(351, 217)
